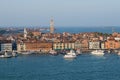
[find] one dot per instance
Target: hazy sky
(65, 12)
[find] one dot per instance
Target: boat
(109, 51)
(6, 55)
(1, 56)
(14, 54)
(70, 55)
(78, 52)
(98, 52)
(63, 52)
(53, 52)
(119, 53)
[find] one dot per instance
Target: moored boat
(70, 55)
(1, 56)
(98, 52)
(119, 53)
(6, 55)
(52, 52)
(14, 54)
(78, 52)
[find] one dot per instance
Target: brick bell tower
(52, 25)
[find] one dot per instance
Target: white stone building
(5, 46)
(94, 45)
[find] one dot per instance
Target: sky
(65, 12)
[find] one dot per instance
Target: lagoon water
(47, 67)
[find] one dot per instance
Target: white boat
(53, 52)
(119, 53)
(1, 56)
(78, 51)
(109, 51)
(6, 55)
(70, 55)
(14, 54)
(98, 52)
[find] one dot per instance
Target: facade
(84, 44)
(34, 46)
(102, 45)
(63, 45)
(38, 46)
(21, 46)
(6, 45)
(112, 44)
(58, 46)
(69, 45)
(78, 44)
(94, 45)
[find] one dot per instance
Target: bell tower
(52, 25)
(25, 33)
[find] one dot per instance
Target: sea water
(47, 67)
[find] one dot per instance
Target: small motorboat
(53, 52)
(78, 52)
(98, 52)
(6, 55)
(14, 54)
(119, 53)
(70, 55)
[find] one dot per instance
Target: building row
(45, 46)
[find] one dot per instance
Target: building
(33, 45)
(84, 44)
(52, 26)
(38, 46)
(111, 43)
(20, 46)
(58, 46)
(6, 45)
(69, 45)
(78, 44)
(102, 44)
(64, 45)
(94, 45)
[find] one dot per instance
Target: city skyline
(65, 13)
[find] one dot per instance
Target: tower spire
(51, 25)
